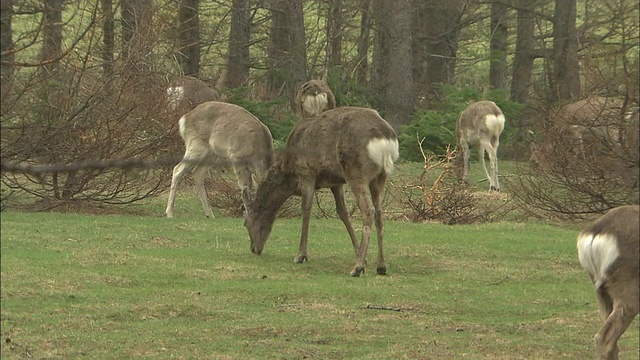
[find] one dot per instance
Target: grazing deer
(591, 124)
(480, 125)
(609, 251)
(347, 145)
(314, 97)
(187, 92)
(217, 133)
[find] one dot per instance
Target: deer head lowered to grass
(481, 124)
(314, 97)
(348, 145)
(609, 251)
(219, 134)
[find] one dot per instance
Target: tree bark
(565, 80)
(498, 46)
(362, 66)
(6, 41)
(108, 43)
(189, 37)
(136, 18)
(52, 38)
(287, 50)
(238, 61)
(524, 52)
(334, 33)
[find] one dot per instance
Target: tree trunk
(524, 52)
(334, 33)
(363, 43)
(238, 61)
(108, 44)
(136, 18)
(498, 46)
(6, 41)
(565, 81)
(52, 38)
(398, 94)
(437, 28)
(287, 50)
(189, 37)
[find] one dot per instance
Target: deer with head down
(219, 134)
(314, 97)
(591, 125)
(481, 124)
(348, 145)
(609, 251)
(187, 92)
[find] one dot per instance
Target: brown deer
(589, 125)
(481, 124)
(609, 251)
(187, 92)
(219, 134)
(347, 145)
(314, 97)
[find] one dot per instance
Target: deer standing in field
(314, 97)
(595, 123)
(347, 145)
(609, 251)
(187, 92)
(218, 134)
(481, 124)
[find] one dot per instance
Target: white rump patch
(384, 152)
(596, 254)
(314, 104)
(175, 95)
(181, 123)
(494, 123)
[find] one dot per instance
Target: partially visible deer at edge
(220, 134)
(187, 92)
(314, 97)
(347, 145)
(480, 125)
(590, 125)
(609, 251)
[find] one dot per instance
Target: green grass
(116, 287)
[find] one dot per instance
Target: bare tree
(108, 43)
(334, 33)
(52, 38)
(6, 41)
(362, 66)
(565, 80)
(524, 52)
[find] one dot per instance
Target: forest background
(83, 82)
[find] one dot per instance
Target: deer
(609, 252)
(222, 134)
(314, 97)
(344, 146)
(187, 92)
(593, 123)
(480, 125)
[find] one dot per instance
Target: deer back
(340, 144)
(231, 131)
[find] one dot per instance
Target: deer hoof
(381, 270)
(493, 188)
(357, 271)
(300, 259)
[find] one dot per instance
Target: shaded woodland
(85, 81)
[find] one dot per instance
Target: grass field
(117, 287)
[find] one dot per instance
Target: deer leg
(465, 160)
(307, 201)
(366, 208)
(178, 173)
(377, 187)
(607, 338)
(492, 151)
(343, 213)
(199, 173)
(245, 182)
